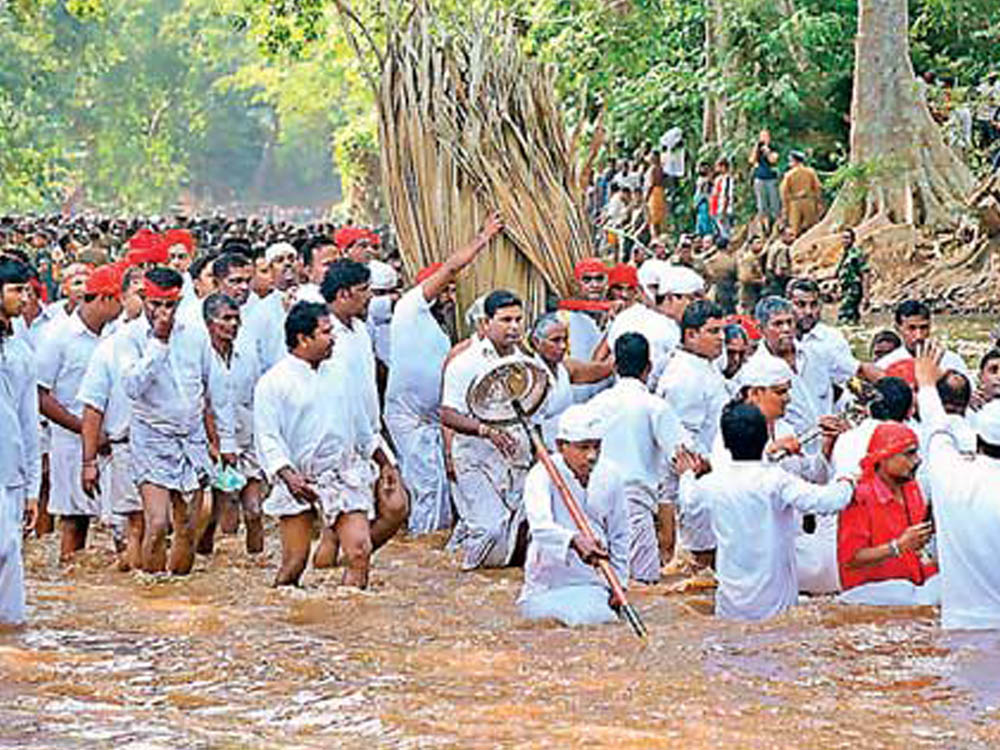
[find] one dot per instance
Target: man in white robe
(490, 462)
(62, 361)
(754, 510)
(419, 346)
(20, 461)
(642, 432)
(560, 580)
(166, 372)
(264, 323)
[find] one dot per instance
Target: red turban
(347, 236)
(888, 440)
(146, 246)
(623, 275)
(748, 324)
(152, 290)
(179, 237)
(427, 271)
(105, 281)
(905, 369)
(589, 266)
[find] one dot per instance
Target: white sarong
(11, 563)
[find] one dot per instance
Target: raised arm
(458, 260)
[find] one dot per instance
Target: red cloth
(153, 291)
(748, 324)
(623, 275)
(179, 237)
(585, 305)
(40, 290)
(347, 236)
(874, 516)
(105, 281)
(589, 266)
(146, 246)
(427, 271)
(905, 369)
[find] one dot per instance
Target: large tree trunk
(910, 176)
(713, 124)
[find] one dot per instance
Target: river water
(434, 657)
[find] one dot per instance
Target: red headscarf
(179, 237)
(623, 275)
(345, 237)
(589, 266)
(106, 281)
(905, 369)
(748, 324)
(889, 439)
(152, 290)
(427, 271)
(146, 246)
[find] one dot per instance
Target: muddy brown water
(434, 657)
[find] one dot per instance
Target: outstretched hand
(927, 366)
(492, 227)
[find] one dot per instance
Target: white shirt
(62, 360)
(352, 368)
(265, 325)
(32, 334)
(102, 388)
(418, 352)
(949, 361)
(168, 382)
(584, 336)
(803, 411)
(301, 421)
(852, 446)
(558, 399)
(237, 378)
(753, 508)
(20, 460)
(827, 360)
(551, 563)
(378, 322)
(662, 334)
(696, 391)
(967, 523)
(641, 433)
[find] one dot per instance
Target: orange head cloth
(347, 236)
(748, 324)
(146, 246)
(888, 439)
(152, 290)
(105, 281)
(589, 266)
(623, 275)
(427, 271)
(905, 369)
(179, 237)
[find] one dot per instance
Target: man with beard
(62, 361)
(490, 462)
(419, 332)
(106, 416)
(829, 362)
(265, 323)
(559, 578)
(20, 462)
(585, 324)
(166, 372)
(913, 323)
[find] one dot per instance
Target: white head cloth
(764, 371)
(476, 311)
(579, 422)
(279, 248)
(384, 276)
(680, 280)
(649, 274)
(987, 422)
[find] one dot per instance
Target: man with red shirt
(883, 530)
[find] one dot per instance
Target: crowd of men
(188, 380)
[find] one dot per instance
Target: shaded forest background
(149, 105)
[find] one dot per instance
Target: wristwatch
(894, 548)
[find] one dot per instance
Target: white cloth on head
(680, 280)
(662, 334)
(649, 275)
(802, 412)
(279, 249)
(754, 517)
(384, 278)
(62, 362)
(764, 372)
(412, 404)
(579, 423)
(552, 565)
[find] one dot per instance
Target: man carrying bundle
(559, 578)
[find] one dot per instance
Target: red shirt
(873, 518)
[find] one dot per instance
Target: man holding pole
(560, 580)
